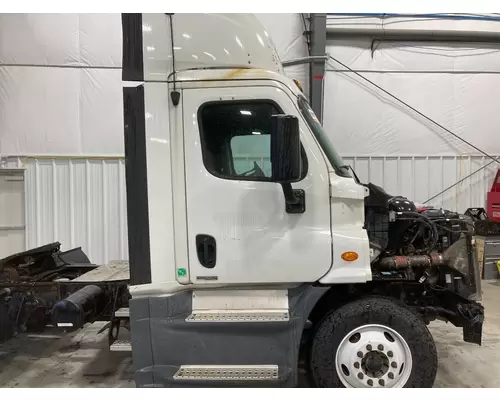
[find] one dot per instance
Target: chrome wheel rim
(372, 356)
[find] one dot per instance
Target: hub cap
(373, 356)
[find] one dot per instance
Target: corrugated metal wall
(78, 202)
(422, 177)
(81, 202)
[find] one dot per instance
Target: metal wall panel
(78, 202)
(422, 177)
(81, 202)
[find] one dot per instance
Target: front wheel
(373, 342)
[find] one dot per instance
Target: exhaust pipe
(397, 262)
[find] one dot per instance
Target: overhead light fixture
(245, 112)
(255, 133)
(150, 48)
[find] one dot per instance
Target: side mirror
(286, 163)
(285, 149)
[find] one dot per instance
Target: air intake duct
(79, 308)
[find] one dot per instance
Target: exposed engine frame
(428, 256)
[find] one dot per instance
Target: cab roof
(181, 42)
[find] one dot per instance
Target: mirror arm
(295, 199)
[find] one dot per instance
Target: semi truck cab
(252, 248)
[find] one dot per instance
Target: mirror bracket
(295, 199)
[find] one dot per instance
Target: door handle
(206, 249)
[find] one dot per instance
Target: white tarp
(60, 111)
(61, 39)
(453, 83)
(60, 84)
(60, 80)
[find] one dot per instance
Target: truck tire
(372, 342)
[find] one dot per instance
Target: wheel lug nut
(381, 382)
(356, 364)
(360, 376)
(369, 347)
(394, 364)
(380, 347)
(390, 375)
(360, 354)
(370, 382)
(389, 353)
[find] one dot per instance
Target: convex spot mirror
(286, 163)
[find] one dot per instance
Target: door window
(250, 152)
(236, 141)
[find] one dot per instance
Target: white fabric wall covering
(60, 84)
(451, 83)
(60, 111)
(68, 40)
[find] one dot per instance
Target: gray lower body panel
(163, 342)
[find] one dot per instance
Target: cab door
(239, 230)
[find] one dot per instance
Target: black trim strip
(132, 59)
(137, 185)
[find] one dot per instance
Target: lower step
(121, 345)
(239, 316)
(122, 313)
(227, 372)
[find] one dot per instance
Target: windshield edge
(323, 140)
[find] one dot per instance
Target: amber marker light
(349, 256)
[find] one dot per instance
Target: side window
(250, 152)
(236, 141)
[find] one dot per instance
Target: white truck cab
(248, 241)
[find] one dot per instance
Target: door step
(122, 313)
(239, 316)
(121, 345)
(227, 372)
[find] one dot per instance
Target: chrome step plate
(227, 372)
(239, 316)
(122, 313)
(121, 345)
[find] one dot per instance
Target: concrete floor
(81, 359)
